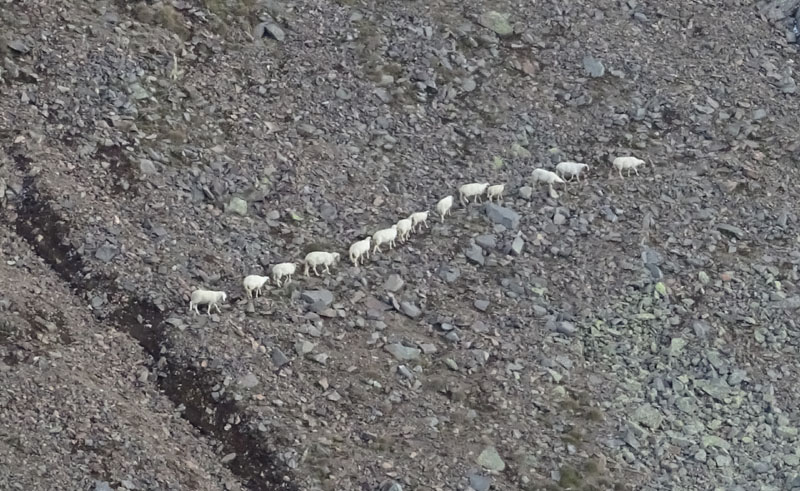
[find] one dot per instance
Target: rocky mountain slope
(626, 333)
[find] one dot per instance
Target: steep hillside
(631, 332)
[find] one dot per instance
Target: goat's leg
(217, 307)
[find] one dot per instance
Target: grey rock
(566, 328)
(402, 353)
(248, 381)
(479, 482)
(481, 305)
(648, 415)
(655, 271)
(488, 242)
(502, 215)
(497, 22)
(475, 254)
(490, 459)
(343, 94)
(237, 205)
(469, 84)
(731, 230)
(593, 66)
(147, 167)
(526, 192)
(18, 45)
(701, 329)
(138, 92)
(517, 245)
(279, 359)
(273, 31)
(676, 346)
(652, 256)
(449, 273)
(102, 486)
(324, 297)
(106, 252)
(428, 348)
(303, 347)
(410, 309)
(559, 219)
(393, 283)
(520, 151)
(390, 485)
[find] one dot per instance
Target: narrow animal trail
(185, 384)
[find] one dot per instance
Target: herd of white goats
(361, 249)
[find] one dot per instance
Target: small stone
(676, 346)
(566, 328)
(102, 486)
(410, 309)
(147, 167)
(520, 151)
(490, 459)
(303, 347)
(526, 192)
(449, 273)
(479, 482)
(321, 358)
(428, 348)
(390, 486)
(475, 254)
(731, 230)
(248, 381)
(487, 242)
(278, 358)
(18, 46)
(497, 22)
(238, 206)
(274, 31)
(502, 216)
(701, 329)
(106, 252)
(343, 94)
(138, 92)
(402, 353)
(469, 84)
(703, 277)
(593, 66)
(324, 297)
(649, 416)
(517, 245)
(559, 219)
(393, 283)
(481, 305)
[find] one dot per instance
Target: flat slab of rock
(490, 459)
(324, 297)
(497, 22)
(502, 215)
(403, 353)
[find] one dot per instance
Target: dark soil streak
(44, 230)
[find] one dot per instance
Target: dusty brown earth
(626, 333)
